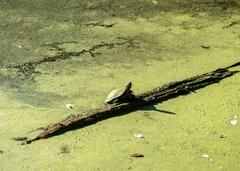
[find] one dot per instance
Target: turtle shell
(117, 94)
(113, 95)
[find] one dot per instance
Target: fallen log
(157, 95)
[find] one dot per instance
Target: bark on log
(157, 95)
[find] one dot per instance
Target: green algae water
(55, 53)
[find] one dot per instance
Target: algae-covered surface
(61, 52)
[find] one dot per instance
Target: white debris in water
(138, 135)
(155, 2)
(233, 122)
(20, 46)
(69, 106)
(205, 156)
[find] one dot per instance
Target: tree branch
(157, 95)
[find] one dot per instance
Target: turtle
(120, 95)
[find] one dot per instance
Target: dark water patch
(24, 90)
(99, 24)
(147, 9)
(234, 23)
(29, 68)
(85, 10)
(211, 6)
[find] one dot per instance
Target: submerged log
(157, 95)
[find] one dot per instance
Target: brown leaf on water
(137, 155)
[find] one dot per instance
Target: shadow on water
(153, 108)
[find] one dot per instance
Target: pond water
(55, 53)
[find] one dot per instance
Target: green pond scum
(60, 53)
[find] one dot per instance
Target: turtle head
(129, 86)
